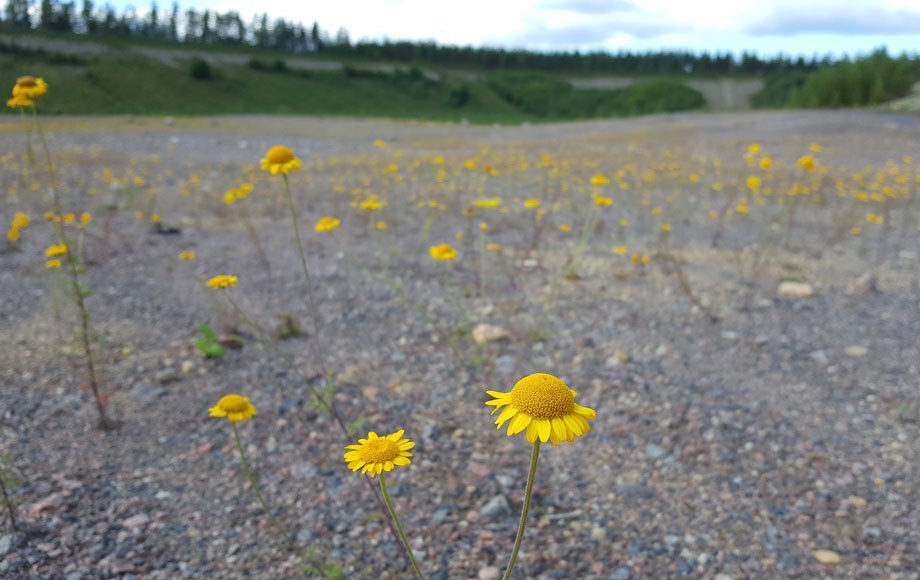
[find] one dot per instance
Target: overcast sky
(766, 26)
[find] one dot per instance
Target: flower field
(725, 308)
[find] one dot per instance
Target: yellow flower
(766, 163)
(753, 182)
(327, 224)
(187, 255)
(19, 102)
(624, 223)
(855, 230)
(380, 144)
(280, 159)
(694, 178)
(459, 236)
(545, 407)
(754, 148)
(599, 180)
(138, 180)
(20, 220)
(565, 228)
(488, 203)
(483, 227)
(532, 203)
(69, 218)
(29, 87)
(494, 247)
(85, 218)
(222, 281)
(806, 162)
(53, 263)
(666, 227)
(602, 201)
(815, 147)
(381, 226)
(56, 250)
(13, 234)
(155, 218)
(470, 165)
(376, 454)
(742, 208)
(620, 250)
(875, 218)
(443, 252)
(231, 196)
(234, 407)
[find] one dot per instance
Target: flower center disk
(379, 451)
(542, 396)
(233, 404)
(279, 155)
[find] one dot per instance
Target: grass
(108, 83)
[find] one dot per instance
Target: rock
(187, 366)
(829, 557)
(820, 357)
(166, 376)
(730, 335)
(8, 543)
(723, 577)
(146, 392)
(867, 283)
(639, 490)
(655, 452)
(136, 522)
(598, 533)
(485, 333)
(505, 364)
(49, 503)
(496, 508)
(791, 289)
(622, 573)
(617, 359)
(857, 502)
(856, 351)
(489, 573)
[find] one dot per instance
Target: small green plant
(209, 344)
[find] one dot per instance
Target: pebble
(621, 573)
(495, 508)
(617, 359)
(820, 357)
(489, 573)
(146, 392)
(856, 351)
(187, 366)
(7, 543)
(655, 452)
(791, 289)
(486, 333)
(639, 490)
(829, 557)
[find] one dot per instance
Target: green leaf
(207, 332)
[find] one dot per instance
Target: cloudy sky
(766, 26)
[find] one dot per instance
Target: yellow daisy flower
(280, 159)
(443, 252)
(488, 202)
(222, 281)
(56, 250)
(327, 224)
(234, 407)
(376, 454)
(29, 87)
(53, 263)
(544, 407)
(187, 255)
(19, 102)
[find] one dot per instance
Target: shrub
(201, 70)
(866, 81)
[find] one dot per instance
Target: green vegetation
(870, 80)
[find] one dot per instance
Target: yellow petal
(388, 466)
(532, 432)
(505, 415)
(559, 429)
(519, 423)
(406, 445)
(396, 436)
(401, 461)
(545, 428)
(585, 411)
(573, 424)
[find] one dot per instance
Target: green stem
(255, 486)
(525, 510)
(402, 535)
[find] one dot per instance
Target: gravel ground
(735, 449)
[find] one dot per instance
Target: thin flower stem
(72, 269)
(311, 301)
(528, 492)
(402, 535)
(255, 487)
(11, 509)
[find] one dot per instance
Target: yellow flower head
(565, 228)
(376, 454)
(620, 250)
(602, 201)
(443, 252)
(29, 87)
(222, 281)
(19, 102)
(187, 255)
(53, 263)
(327, 224)
(753, 182)
(599, 180)
(544, 407)
(280, 159)
(56, 250)
(488, 203)
(13, 234)
(493, 247)
(381, 225)
(483, 227)
(85, 218)
(231, 196)
(666, 227)
(806, 162)
(20, 220)
(234, 407)
(532, 203)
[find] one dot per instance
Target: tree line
(209, 27)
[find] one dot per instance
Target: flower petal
(508, 413)
(545, 428)
(519, 423)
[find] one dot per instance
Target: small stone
(505, 364)
(136, 522)
(496, 508)
(655, 452)
(622, 573)
(791, 289)
(857, 502)
(146, 392)
(856, 351)
(723, 577)
(730, 335)
(867, 283)
(489, 573)
(7, 543)
(820, 357)
(827, 557)
(598, 533)
(187, 366)
(617, 359)
(635, 490)
(166, 376)
(486, 333)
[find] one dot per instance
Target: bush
(777, 90)
(648, 97)
(459, 96)
(201, 70)
(867, 81)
